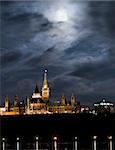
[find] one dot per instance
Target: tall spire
(28, 105)
(36, 88)
(72, 99)
(15, 101)
(36, 93)
(45, 82)
(6, 103)
(45, 88)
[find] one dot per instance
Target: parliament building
(40, 103)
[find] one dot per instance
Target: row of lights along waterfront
(56, 141)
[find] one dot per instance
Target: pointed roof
(63, 96)
(36, 88)
(72, 95)
(45, 82)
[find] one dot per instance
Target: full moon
(61, 15)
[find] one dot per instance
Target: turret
(28, 105)
(72, 100)
(63, 99)
(16, 106)
(36, 88)
(15, 101)
(6, 104)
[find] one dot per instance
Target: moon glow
(61, 15)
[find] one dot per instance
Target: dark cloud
(19, 28)
(43, 59)
(7, 58)
(40, 23)
(103, 17)
(79, 54)
(94, 72)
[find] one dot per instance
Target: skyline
(74, 40)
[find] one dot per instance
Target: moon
(61, 15)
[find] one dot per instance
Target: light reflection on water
(54, 145)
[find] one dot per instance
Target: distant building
(63, 106)
(104, 106)
(11, 109)
(2, 110)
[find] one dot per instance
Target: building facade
(104, 106)
(40, 103)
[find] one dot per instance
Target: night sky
(74, 40)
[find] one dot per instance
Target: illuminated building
(35, 104)
(72, 100)
(63, 106)
(21, 107)
(85, 109)
(2, 110)
(36, 94)
(104, 106)
(28, 106)
(63, 100)
(6, 104)
(78, 107)
(16, 105)
(12, 109)
(39, 103)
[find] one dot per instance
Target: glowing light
(110, 137)
(36, 137)
(75, 138)
(55, 138)
(46, 70)
(17, 138)
(3, 139)
(61, 15)
(94, 137)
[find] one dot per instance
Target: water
(57, 144)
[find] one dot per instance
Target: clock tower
(45, 88)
